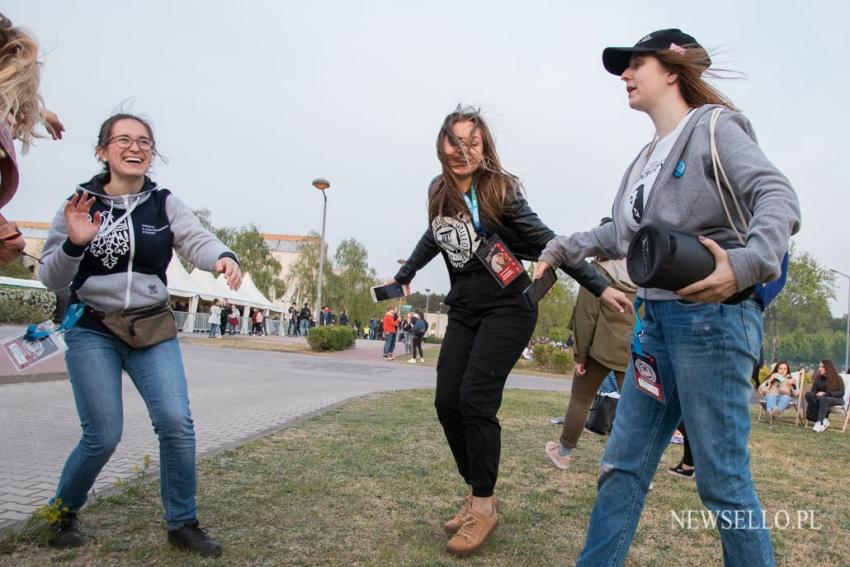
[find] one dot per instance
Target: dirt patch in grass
(372, 481)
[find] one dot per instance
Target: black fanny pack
(666, 259)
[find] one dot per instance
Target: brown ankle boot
(474, 531)
(453, 525)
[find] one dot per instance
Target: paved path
(236, 395)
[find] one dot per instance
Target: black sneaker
(680, 470)
(68, 532)
(191, 537)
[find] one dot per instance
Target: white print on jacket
(457, 237)
(115, 244)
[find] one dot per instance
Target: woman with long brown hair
(827, 391)
(481, 223)
(700, 343)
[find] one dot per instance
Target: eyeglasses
(125, 142)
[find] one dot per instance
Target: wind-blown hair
(691, 64)
(19, 80)
(493, 184)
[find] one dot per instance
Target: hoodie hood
(94, 186)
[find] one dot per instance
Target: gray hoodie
(690, 203)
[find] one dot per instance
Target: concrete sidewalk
(236, 395)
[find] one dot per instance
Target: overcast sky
(252, 100)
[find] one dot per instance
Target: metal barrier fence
(197, 323)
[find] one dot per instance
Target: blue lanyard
(637, 348)
(72, 315)
(472, 203)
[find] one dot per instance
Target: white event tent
(200, 285)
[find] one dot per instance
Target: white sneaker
(818, 427)
(825, 424)
(421, 359)
(412, 361)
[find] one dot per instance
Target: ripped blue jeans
(705, 355)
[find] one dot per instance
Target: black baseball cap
(616, 59)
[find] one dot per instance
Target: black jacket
(819, 385)
(524, 234)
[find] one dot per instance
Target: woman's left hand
(231, 271)
(616, 299)
(719, 284)
(53, 124)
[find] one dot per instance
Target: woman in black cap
(696, 354)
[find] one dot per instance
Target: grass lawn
(370, 483)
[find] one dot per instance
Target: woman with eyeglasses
(699, 347)
(111, 242)
(481, 223)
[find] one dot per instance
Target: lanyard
(72, 315)
(472, 203)
(637, 348)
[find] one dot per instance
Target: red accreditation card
(499, 260)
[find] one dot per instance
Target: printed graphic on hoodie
(116, 242)
(457, 237)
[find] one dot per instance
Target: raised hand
(81, 227)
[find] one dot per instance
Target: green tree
(302, 280)
(803, 305)
(349, 287)
(556, 308)
(256, 259)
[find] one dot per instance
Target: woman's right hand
(405, 286)
(540, 269)
(81, 227)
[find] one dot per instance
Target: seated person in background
(778, 389)
(827, 390)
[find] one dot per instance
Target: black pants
(687, 458)
(488, 329)
(416, 346)
(818, 407)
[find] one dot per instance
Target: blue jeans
(705, 355)
(95, 361)
(214, 330)
(389, 344)
(305, 326)
(777, 401)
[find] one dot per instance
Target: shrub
(559, 334)
(330, 337)
(26, 305)
(542, 353)
(559, 361)
(433, 340)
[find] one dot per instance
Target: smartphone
(385, 292)
(538, 288)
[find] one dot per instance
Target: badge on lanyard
(40, 342)
(647, 378)
(492, 251)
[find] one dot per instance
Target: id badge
(25, 354)
(499, 260)
(647, 378)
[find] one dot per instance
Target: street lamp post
(847, 343)
(321, 185)
(427, 299)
